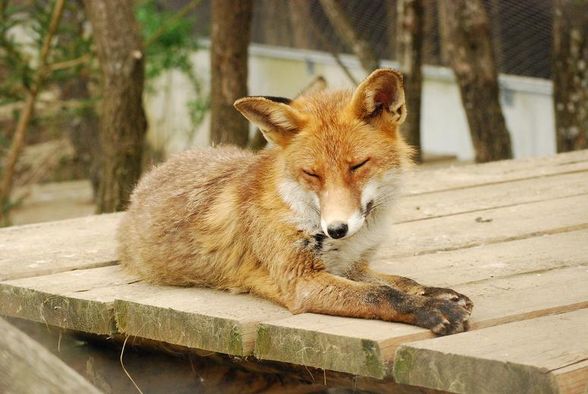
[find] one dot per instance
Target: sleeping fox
(296, 223)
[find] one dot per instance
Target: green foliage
(170, 43)
(18, 51)
(169, 40)
(14, 63)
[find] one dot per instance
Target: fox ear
(278, 121)
(380, 93)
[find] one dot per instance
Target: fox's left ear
(381, 92)
(278, 121)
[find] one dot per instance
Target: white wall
(276, 71)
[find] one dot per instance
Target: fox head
(341, 152)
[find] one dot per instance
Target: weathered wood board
(27, 367)
(491, 226)
(535, 254)
(193, 317)
(46, 248)
(367, 348)
(433, 180)
(512, 235)
(481, 198)
(81, 300)
(539, 356)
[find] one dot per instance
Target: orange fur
(262, 223)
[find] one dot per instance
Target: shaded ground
(159, 372)
(54, 201)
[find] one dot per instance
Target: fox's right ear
(278, 121)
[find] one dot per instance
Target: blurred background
(94, 92)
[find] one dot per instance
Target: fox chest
(340, 256)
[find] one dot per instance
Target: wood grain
(206, 319)
(79, 300)
(543, 355)
(425, 180)
(491, 226)
(27, 367)
(47, 248)
(366, 347)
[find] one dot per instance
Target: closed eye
(309, 173)
(358, 165)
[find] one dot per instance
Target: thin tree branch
(179, 15)
(27, 112)
(162, 29)
(70, 63)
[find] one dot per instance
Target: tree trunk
(123, 123)
(300, 18)
(570, 74)
(392, 28)
(465, 33)
(272, 22)
(344, 28)
(496, 18)
(410, 22)
(231, 26)
(431, 41)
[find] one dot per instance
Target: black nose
(337, 230)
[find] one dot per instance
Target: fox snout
(340, 229)
(341, 215)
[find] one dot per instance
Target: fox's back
(166, 217)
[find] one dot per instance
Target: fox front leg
(321, 292)
(410, 286)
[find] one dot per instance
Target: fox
(297, 222)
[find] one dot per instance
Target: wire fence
(521, 30)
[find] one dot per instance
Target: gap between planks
(41, 249)
(423, 180)
(467, 230)
(367, 347)
(542, 355)
(150, 311)
(48, 248)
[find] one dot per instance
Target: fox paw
(443, 317)
(440, 293)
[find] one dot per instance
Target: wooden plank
(79, 300)
(425, 180)
(41, 249)
(89, 242)
(27, 367)
(366, 348)
(491, 226)
(206, 319)
(86, 300)
(536, 254)
(479, 198)
(543, 355)
(572, 379)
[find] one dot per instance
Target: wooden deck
(512, 235)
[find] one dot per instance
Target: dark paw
(440, 293)
(443, 317)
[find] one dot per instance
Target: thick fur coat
(296, 223)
